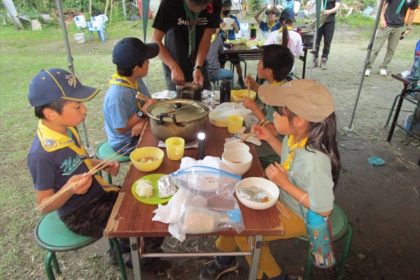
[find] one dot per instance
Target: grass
(22, 55)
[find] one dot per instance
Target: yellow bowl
(237, 95)
(147, 159)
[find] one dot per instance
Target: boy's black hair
(279, 59)
(56, 105)
(127, 72)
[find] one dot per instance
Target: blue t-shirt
(264, 26)
(119, 104)
(52, 170)
(231, 33)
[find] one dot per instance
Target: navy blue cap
(54, 83)
(130, 51)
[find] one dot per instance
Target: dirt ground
(382, 203)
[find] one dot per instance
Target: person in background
(272, 23)
(274, 67)
(229, 34)
(286, 36)
(306, 176)
(326, 30)
(391, 28)
(125, 115)
(216, 73)
(183, 29)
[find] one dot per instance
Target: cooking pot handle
(172, 116)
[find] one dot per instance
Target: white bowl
(271, 189)
(229, 22)
(237, 161)
(232, 145)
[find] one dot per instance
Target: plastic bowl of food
(237, 95)
(147, 159)
(257, 193)
(237, 161)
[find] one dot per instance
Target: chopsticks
(93, 171)
(260, 123)
(141, 96)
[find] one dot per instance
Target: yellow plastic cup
(175, 147)
(234, 123)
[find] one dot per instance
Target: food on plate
(166, 186)
(144, 188)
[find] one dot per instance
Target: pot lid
(184, 110)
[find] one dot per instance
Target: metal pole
(70, 60)
(372, 40)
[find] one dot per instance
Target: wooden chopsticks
(93, 171)
(141, 96)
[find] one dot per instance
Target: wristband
(141, 115)
(198, 67)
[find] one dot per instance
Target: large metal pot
(177, 117)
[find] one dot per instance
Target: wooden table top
(131, 218)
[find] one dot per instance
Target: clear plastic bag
(210, 205)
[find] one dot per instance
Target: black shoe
(215, 270)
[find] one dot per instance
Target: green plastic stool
(54, 236)
(340, 229)
(104, 151)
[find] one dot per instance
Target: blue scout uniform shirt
(264, 26)
(230, 33)
(119, 104)
(52, 170)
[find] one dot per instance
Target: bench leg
(346, 250)
(49, 260)
(113, 242)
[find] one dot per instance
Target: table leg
(135, 257)
(305, 54)
(397, 113)
(256, 251)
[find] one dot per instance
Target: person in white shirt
(287, 37)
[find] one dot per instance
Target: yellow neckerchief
(119, 80)
(52, 141)
(288, 28)
(292, 150)
(272, 25)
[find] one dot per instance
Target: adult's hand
(177, 75)
(198, 77)
(383, 24)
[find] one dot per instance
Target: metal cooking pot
(189, 91)
(177, 117)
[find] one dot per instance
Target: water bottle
(225, 91)
(253, 29)
(320, 240)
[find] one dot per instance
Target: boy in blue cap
(124, 115)
(57, 160)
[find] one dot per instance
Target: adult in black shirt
(326, 30)
(391, 28)
(186, 27)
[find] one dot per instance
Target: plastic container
(320, 240)
(253, 33)
(80, 38)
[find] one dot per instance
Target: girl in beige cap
(309, 166)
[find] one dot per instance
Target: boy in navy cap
(124, 115)
(57, 158)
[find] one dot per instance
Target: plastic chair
(80, 21)
(54, 236)
(104, 151)
(341, 229)
(98, 24)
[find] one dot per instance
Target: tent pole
(66, 39)
(372, 40)
(70, 58)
